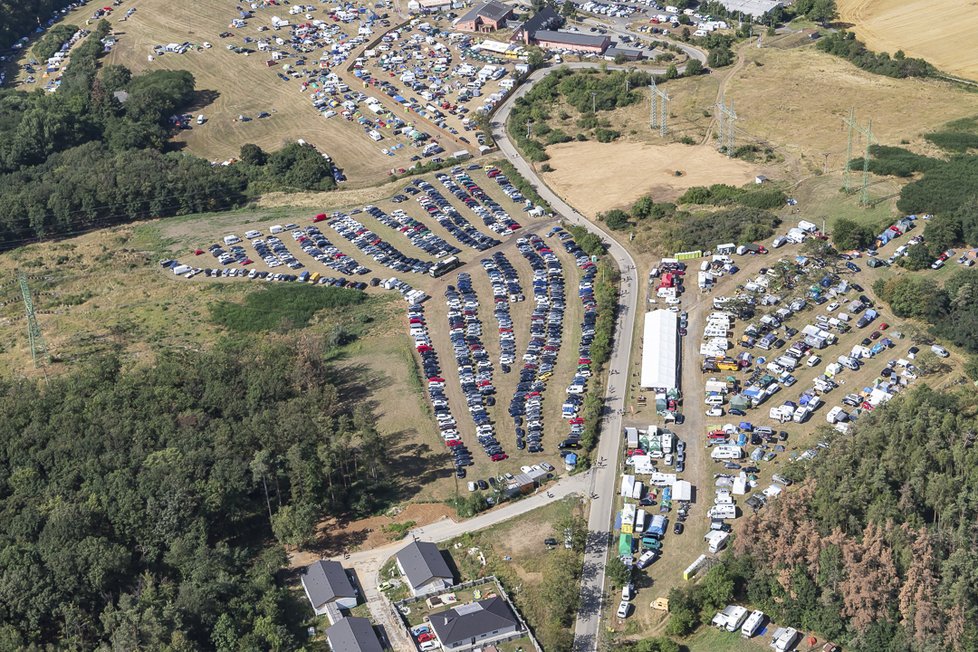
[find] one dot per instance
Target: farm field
(626, 171)
(940, 31)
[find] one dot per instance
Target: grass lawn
(710, 639)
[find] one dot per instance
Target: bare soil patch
(594, 177)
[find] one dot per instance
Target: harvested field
(626, 171)
(940, 31)
(796, 101)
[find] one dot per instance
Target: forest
(97, 153)
(880, 531)
(140, 506)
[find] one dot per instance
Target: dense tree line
(19, 19)
(721, 194)
(952, 310)
(95, 153)
(848, 234)
(138, 506)
(845, 44)
(895, 161)
(875, 548)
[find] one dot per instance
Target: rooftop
(472, 620)
(423, 562)
(325, 581)
(353, 635)
(753, 7)
(491, 10)
(570, 38)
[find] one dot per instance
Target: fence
(523, 632)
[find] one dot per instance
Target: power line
(658, 108)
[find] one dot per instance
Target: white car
(715, 412)
(430, 645)
(626, 592)
(813, 360)
(623, 609)
(832, 306)
(668, 460)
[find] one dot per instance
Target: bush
(847, 234)
(944, 188)
(615, 219)
(606, 135)
(844, 44)
(895, 161)
(281, 307)
(723, 195)
(740, 225)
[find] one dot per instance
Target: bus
(442, 267)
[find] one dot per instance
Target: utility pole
(846, 176)
(726, 117)
(658, 110)
(867, 134)
(528, 123)
(39, 352)
(594, 96)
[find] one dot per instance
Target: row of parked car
(474, 366)
(505, 288)
(504, 183)
(578, 384)
(442, 210)
(447, 426)
(546, 332)
(376, 247)
(419, 234)
(314, 243)
(468, 191)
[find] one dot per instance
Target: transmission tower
(867, 134)
(39, 352)
(659, 109)
(726, 117)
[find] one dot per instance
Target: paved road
(603, 475)
(369, 562)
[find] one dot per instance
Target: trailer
(753, 624)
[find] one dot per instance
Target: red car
(319, 218)
(884, 326)
(425, 636)
(499, 457)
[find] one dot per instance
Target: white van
(275, 228)
(940, 351)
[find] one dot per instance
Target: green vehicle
(651, 543)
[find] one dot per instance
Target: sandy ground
(345, 536)
(940, 31)
(619, 173)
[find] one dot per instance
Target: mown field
(940, 31)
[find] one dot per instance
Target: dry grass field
(940, 31)
(232, 84)
(619, 173)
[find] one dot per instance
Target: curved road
(598, 483)
(603, 475)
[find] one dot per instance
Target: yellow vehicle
(314, 277)
(728, 365)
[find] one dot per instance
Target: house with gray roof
(474, 625)
(485, 17)
(422, 565)
(326, 582)
(353, 635)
